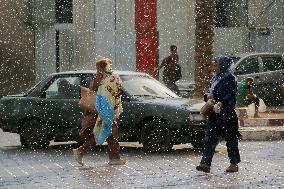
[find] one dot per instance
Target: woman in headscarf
(223, 122)
(105, 118)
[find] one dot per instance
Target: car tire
(156, 136)
(33, 135)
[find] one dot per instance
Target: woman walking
(223, 122)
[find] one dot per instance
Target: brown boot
(78, 157)
(203, 167)
(232, 168)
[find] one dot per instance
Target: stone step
(262, 122)
(242, 112)
(266, 119)
(262, 133)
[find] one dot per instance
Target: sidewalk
(269, 126)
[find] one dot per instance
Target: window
(273, 63)
(248, 66)
(231, 13)
(64, 88)
(63, 11)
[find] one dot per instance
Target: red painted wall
(146, 36)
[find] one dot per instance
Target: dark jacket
(169, 64)
(226, 91)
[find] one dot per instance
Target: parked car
(153, 114)
(267, 69)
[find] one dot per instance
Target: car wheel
(33, 135)
(156, 136)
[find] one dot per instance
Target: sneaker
(232, 168)
(78, 156)
(203, 167)
(117, 162)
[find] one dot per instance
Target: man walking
(171, 72)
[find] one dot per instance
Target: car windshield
(145, 86)
(29, 90)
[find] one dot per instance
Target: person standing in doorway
(171, 72)
(224, 121)
(89, 121)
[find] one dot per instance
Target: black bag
(177, 73)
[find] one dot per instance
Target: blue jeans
(214, 130)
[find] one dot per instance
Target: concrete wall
(84, 23)
(269, 15)
(114, 32)
(106, 28)
(45, 54)
(66, 48)
(76, 42)
(230, 40)
(16, 48)
(263, 13)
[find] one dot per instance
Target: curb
(262, 133)
(263, 122)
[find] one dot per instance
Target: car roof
(118, 72)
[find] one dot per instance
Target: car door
(250, 67)
(272, 77)
(60, 104)
(132, 111)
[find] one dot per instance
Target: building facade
(136, 34)
(17, 68)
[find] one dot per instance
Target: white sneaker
(78, 156)
(117, 162)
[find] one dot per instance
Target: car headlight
(197, 117)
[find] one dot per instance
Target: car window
(64, 88)
(248, 66)
(273, 63)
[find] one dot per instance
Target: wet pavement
(261, 167)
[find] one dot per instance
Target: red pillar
(146, 35)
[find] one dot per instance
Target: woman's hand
(220, 104)
(217, 107)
